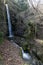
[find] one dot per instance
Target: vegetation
(1, 37)
(23, 19)
(23, 4)
(29, 34)
(1, 57)
(30, 31)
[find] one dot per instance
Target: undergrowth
(1, 37)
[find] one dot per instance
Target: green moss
(1, 57)
(20, 53)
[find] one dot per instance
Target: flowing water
(25, 55)
(9, 22)
(10, 30)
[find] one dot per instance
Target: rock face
(2, 18)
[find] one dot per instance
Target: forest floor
(10, 54)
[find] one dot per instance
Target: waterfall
(9, 22)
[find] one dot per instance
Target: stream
(28, 58)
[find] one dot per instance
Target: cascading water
(26, 56)
(9, 22)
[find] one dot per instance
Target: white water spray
(9, 21)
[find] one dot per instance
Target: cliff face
(2, 18)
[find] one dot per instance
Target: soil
(9, 54)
